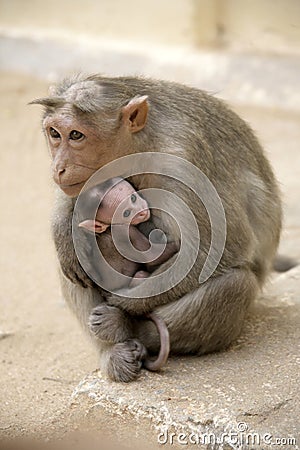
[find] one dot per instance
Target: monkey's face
(77, 149)
(80, 146)
(123, 205)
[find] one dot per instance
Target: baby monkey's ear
(94, 225)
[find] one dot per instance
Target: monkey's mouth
(67, 186)
(73, 189)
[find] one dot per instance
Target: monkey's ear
(135, 113)
(93, 225)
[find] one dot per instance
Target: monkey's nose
(141, 216)
(60, 173)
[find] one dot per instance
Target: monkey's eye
(133, 198)
(53, 133)
(76, 135)
(126, 213)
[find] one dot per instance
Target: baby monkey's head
(120, 204)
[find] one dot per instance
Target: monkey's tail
(164, 350)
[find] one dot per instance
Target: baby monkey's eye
(133, 198)
(126, 213)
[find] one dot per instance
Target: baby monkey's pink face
(123, 205)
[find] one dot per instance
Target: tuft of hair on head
(59, 89)
(81, 92)
(49, 102)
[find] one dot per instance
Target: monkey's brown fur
(120, 116)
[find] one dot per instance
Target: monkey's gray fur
(116, 119)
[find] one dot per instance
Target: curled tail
(164, 350)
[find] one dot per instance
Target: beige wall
(158, 21)
(261, 24)
(268, 25)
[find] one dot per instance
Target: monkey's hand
(138, 306)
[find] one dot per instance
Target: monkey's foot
(110, 324)
(125, 362)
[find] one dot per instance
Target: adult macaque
(89, 122)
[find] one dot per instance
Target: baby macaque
(133, 210)
(123, 207)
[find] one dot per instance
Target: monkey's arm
(137, 238)
(170, 250)
(62, 235)
(140, 306)
(141, 242)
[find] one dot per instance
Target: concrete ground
(45, 392)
